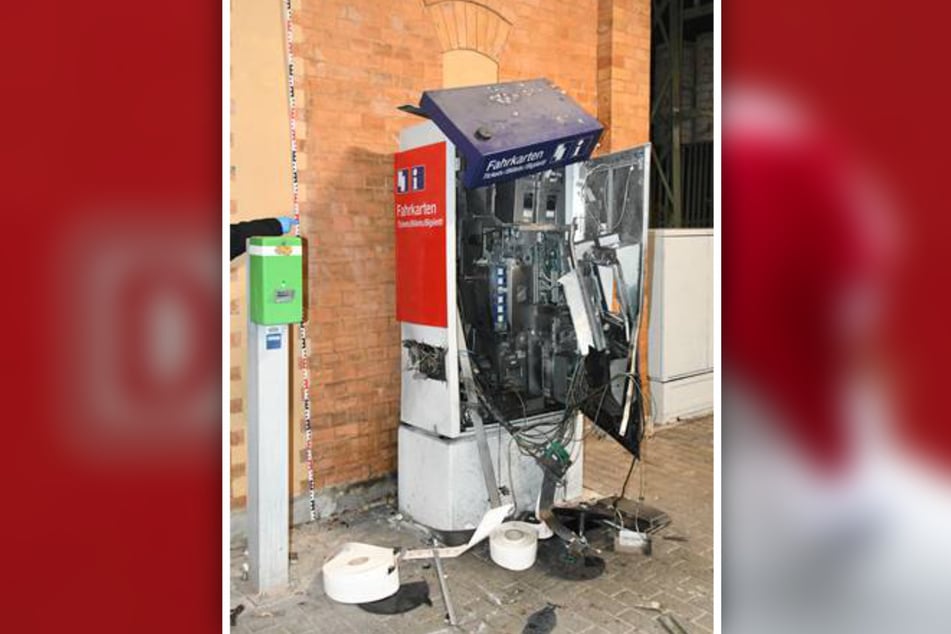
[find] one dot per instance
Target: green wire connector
(557, 452)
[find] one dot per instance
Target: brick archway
(480, 26)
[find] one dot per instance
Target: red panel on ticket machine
(420, 209)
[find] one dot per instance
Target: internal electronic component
(513, 249)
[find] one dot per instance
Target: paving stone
(704, 621)
(641, 620)
(570, 620)
(598, 600)
(611, 623)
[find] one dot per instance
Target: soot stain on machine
(427, 360)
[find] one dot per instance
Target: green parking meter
(276, 277)
(275, 300)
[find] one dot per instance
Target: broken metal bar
(663, 178)
(450, 612)
(473, 415)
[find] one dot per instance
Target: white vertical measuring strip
(302, 328)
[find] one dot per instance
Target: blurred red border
(874, 73)
(109, 105)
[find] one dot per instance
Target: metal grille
(682, 113)
(696, 172)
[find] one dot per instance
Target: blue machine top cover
(509, 130)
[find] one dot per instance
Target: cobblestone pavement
(678, 574)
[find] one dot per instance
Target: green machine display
(275, 300)
(275, 280)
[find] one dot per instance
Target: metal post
(268, 488)
(450, 612)
(676, 68)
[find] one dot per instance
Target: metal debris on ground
(542, 621)
(671, 624)
(612, 512)
(235, 613)
(638, 516)
(444, 588)
(559, 562)
(409, 597)
(627, 541)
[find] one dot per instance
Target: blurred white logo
(141, 354)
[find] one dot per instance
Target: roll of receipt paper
(360, 573)
(513, 545)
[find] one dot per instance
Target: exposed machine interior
(512, 252)
(524, 267)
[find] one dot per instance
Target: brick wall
(362, 59)
(557, 43)
(358, 60)
(623, 67)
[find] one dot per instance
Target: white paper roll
(514, 545)
(360, 573)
